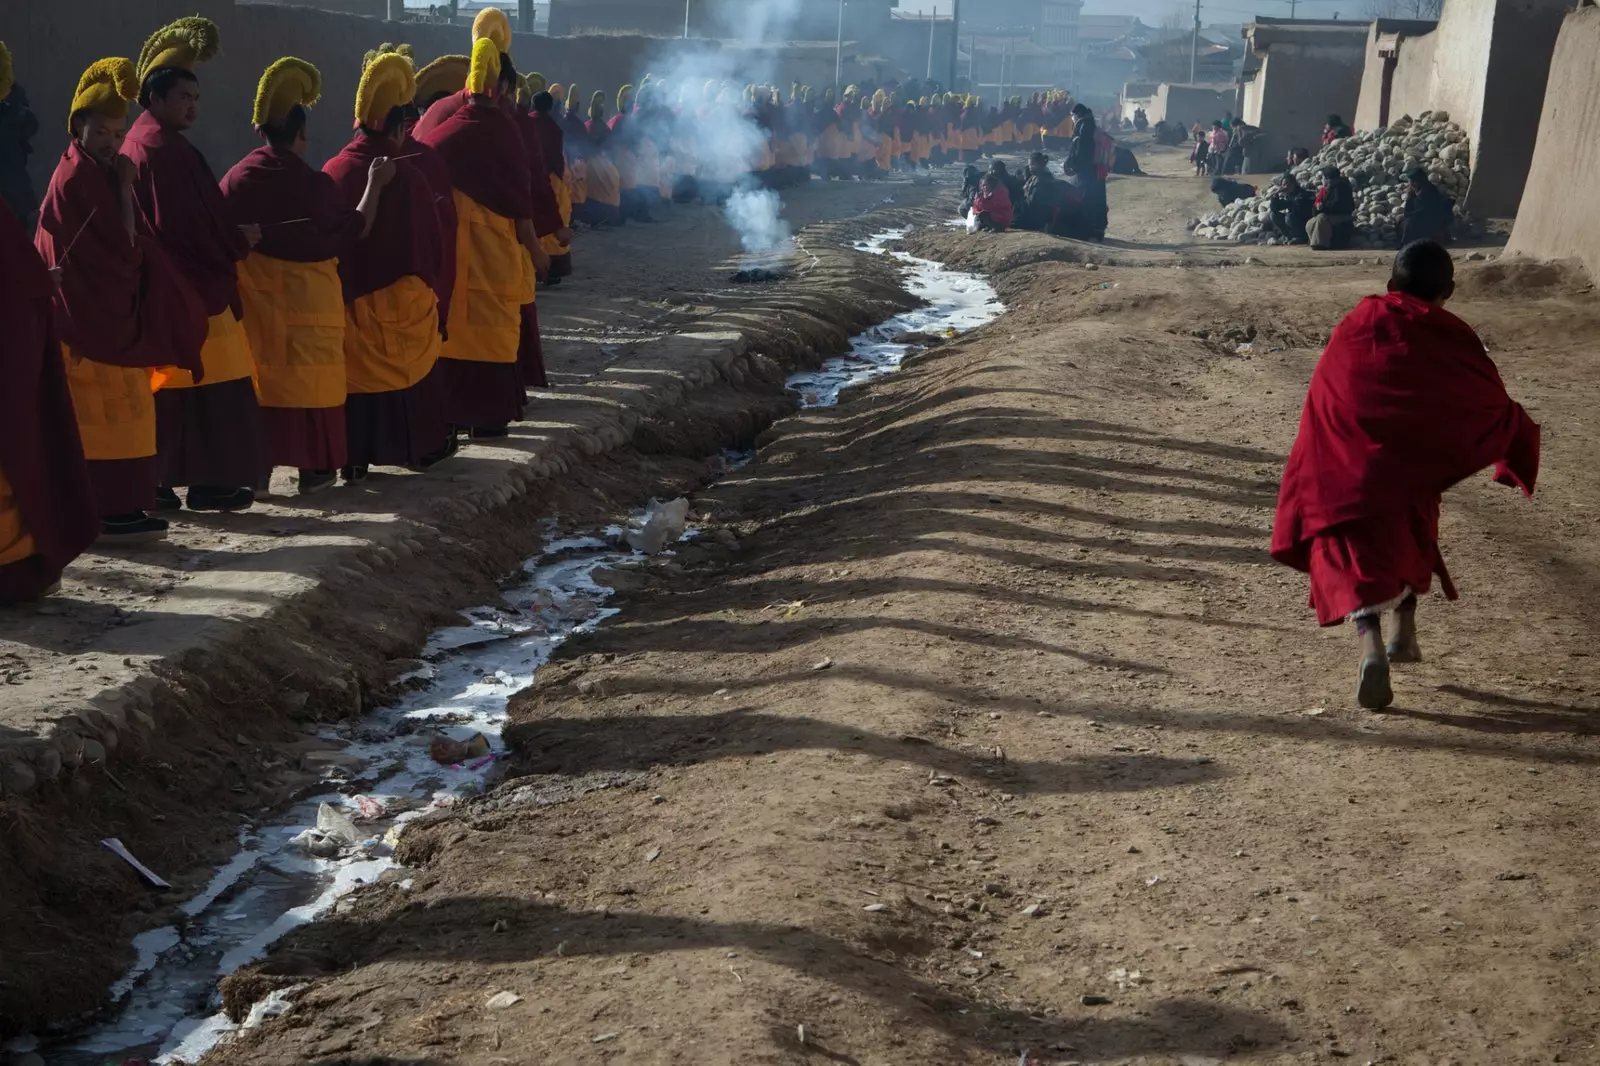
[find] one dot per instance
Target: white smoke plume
(726, 143)
(756, 215)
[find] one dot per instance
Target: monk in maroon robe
(47, 510)
(398, 422)
(1404, 404)
(488, 163)
(303, 219)
(546, 220)
(123, 310)
(209, 436)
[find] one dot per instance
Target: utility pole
(1194, 43)
(525, 15)
(686, 6)
(933, 23)
(838, 55)
(955, 44)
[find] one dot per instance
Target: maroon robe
(120, 303)
(209, 435)
(40, 451)
(488, 162)
(546, 220)
(400, 427)
(303, 219)
(1404, 404)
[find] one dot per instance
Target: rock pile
(1376, 164)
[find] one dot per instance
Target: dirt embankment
(1000, 733)
(189, 702)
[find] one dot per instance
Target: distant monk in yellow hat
(293, 303)
(497, 247)
(208, 435)
(392, 280)
(122, 307)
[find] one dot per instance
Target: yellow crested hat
(387, 49)
(287, 84)
(483, 73)
(105, 88)
(492, 25)
(536, 83)
(557, 92)
(447, 74)
(7, 77)
(180, 44)
(387, 83)
(624, 94)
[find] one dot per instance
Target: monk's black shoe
(211, 498)
(167, 500)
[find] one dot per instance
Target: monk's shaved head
(1425, 270)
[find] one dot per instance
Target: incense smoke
(754, 214)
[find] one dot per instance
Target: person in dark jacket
(18, 127)
(971, 179)
(1012, 182)
(1333, 227)
(1291, 207)
(1228, 191)
(1428, 211)
(1082, 161)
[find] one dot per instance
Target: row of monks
(171, 331)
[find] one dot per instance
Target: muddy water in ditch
(167, 1004)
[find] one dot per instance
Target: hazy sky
(1153, 11)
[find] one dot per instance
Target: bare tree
(1403, 9)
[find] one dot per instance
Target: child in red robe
(1404, 404)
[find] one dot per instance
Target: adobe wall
(52, 43)
(1370, 108)
(1189, 104)
(1297, 88)
(1556, 222)
(1486, 64)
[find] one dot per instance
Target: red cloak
(303, 218)
(1404, 404)
(40, 450)
(546, 212)
(407, 236)
(120, 303)
(552, 142)
(180, 204)
(481, 146)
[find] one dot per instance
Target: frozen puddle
(957, 302)
(167, 1004)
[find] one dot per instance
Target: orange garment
(578, 181)
(885, 157)
(391, 337)
(115, 408)
(971, 140)
(669, 175)
(15, 542)
(494, 279)
(605, 184)
(226, 356)
(803, 153)
(647, 173)
(627, 164)
(548, 241)
(294, 319)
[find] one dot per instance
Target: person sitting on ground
(1219, 141)
(971, 178)
(1012, 182)
(1334, 130)
(1333, 227)
(1428, 211)
(1290, 208)
(1040, 197)
(992, 207)
(1198, 154)
(1229, 191)
(1294, 157)
(1403, 404)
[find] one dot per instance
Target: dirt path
(999, 732)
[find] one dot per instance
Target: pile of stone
(1376, 164)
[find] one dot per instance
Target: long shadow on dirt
(574, 746)
(457, 929)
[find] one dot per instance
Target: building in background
(1047, 25)
(1309, 69)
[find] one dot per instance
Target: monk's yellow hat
(484, 70)
(557, 92)
(180, 44)
(536, 84)
(386, 49)
(105, 89)
(624, 95)
(287, 84)
(8, 77)
(492, 25)
(447, 74)
(387, 83)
